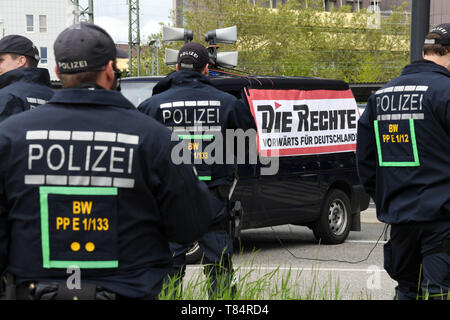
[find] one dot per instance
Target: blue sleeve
(240, 117)
(10, 104)
(187, 206)
(443, 111)
(142, 107)
(446, 117)
(147, 108)
(366, 152)
(4, 238)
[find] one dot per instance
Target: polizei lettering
(72, 65)
(207, 116)
(399, 102)
(96, 158)
(80, 158)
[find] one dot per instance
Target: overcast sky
(112, 15)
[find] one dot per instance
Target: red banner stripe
(308, 150)
(258, 94)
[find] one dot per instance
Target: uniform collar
(425, 66)
(93, 96)
(182, 78)
(32, 75)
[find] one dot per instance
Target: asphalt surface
(353, 269)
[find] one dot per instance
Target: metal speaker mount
(171, 57)
(177, 34)
(225, 35)
(227, 59)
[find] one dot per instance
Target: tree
(304, 40)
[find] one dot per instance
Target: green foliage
(254, 282)
(300, 40)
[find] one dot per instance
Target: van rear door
(290, 196)
(295, 127)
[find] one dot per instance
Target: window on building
(350, 3)
(44, 59)
(30, 23)
(374, 6)
(42, 23)
(330, 5)
(355, 4)
(358, 5)
(278, 3)
(265, 3)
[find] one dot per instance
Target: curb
(369, 216)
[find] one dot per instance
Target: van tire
(194, 254)
(335, 219)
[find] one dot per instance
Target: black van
(320, 188)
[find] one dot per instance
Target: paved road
(291, 248)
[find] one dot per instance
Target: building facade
(439, 9)
(40, 21)
(372, 5)
(439, 12)
(178, 6)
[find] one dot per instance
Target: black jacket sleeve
(240, 117)
(366, 152)
(9, 105)
(442, 110)
(147, 108)
(142, 107)
(4, 238)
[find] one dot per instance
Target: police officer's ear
(22, 62)
(106, 78)
(109, 71)
(57, 72)
(205, 70)
(19, 61)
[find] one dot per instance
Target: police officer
(186, 101)
(89, 195)
(23, 86)
(403, 152)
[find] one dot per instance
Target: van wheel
(194, 254)
(335, 221)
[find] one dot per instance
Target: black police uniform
(183, 101)
(87, 180)
(187, 99)
(23, 89)
(403, 153)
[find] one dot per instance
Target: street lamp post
(154, 45)
(420, 25)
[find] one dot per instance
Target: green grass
(255, 282)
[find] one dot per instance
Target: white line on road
(366, 270)
(365, 241)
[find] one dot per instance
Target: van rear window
(137, 91)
